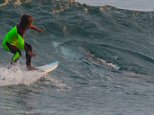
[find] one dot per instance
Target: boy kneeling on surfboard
(14, 40)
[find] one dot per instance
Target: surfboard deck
(48, 67)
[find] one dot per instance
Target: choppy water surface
(106, 60)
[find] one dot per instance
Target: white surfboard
(48, 67)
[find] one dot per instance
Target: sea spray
(18, 75)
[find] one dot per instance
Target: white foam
(94, 59)
(18, 75)
(16, 2)
(61, 86)
(137, 5)
(4, 3)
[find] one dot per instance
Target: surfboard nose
(49, 67)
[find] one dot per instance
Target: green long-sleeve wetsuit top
(13, 38)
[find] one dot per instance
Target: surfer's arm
(35, 28)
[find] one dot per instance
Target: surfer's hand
(40, 30)
(31, 54)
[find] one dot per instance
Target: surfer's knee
(29, 47)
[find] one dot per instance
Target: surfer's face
(30, 25)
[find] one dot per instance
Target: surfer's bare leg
(29, 55)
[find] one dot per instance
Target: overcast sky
(142, 5)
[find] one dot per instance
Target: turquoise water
(105, 54)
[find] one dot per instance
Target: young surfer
(14, 40)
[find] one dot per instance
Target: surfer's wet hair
(25, 20)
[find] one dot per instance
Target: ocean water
(105, 56)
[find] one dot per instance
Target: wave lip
(136, 5)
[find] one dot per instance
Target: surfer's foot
(12, 64)
(29, 67)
